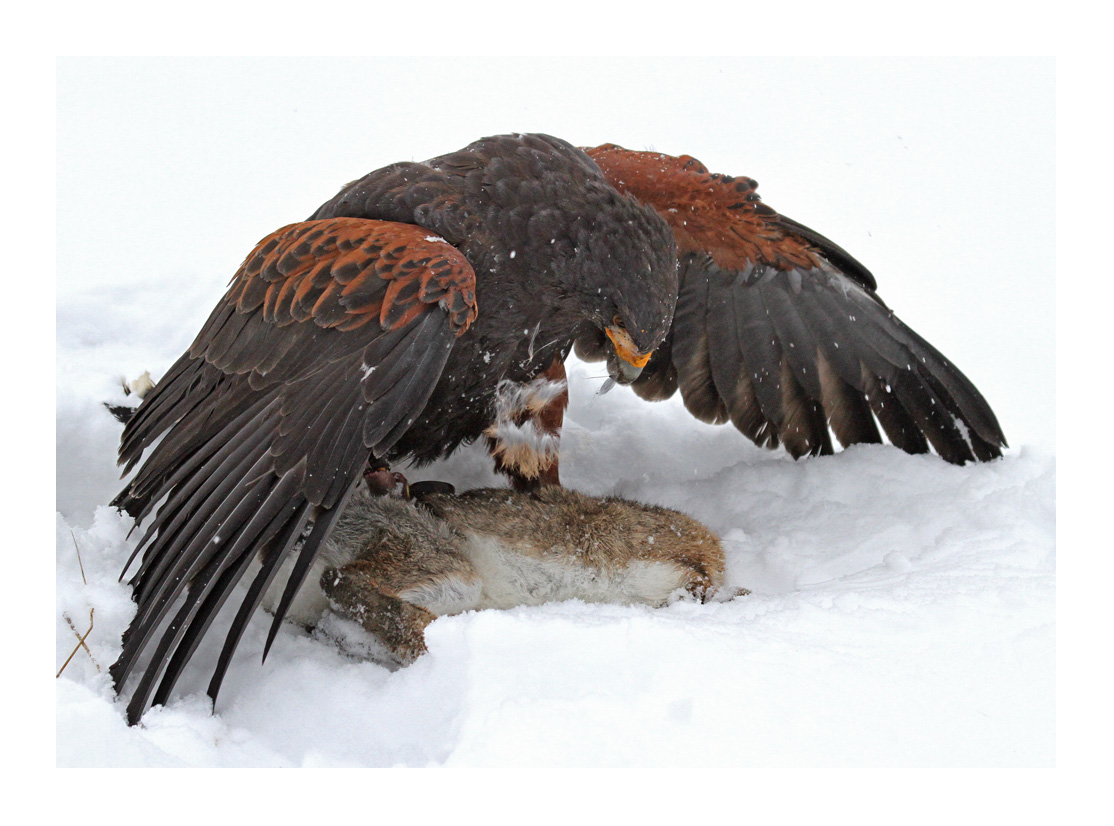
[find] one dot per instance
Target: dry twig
(79, 564)
(80, 644)
(80, 637)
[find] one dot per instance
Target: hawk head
(627, 281)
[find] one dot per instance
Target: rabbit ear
(356, 592)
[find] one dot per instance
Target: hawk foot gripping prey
(431, 304)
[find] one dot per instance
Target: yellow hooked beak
(625, 349)
(628, 362)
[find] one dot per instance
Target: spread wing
(327, 345)
(779, 331)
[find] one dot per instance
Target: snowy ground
(902, 615)
(903, 611)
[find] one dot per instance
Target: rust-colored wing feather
(780, 331)
(327, 345)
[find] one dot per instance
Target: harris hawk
(430, 304)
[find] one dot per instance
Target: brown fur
(410, 564)
(607, 533)
(398, 625)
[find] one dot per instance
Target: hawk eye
(618, 322)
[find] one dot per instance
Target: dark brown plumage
(780, 331)
(382, 326)
(400, 319)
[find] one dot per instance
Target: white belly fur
(508, 578)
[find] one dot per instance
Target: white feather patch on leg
(517, 441)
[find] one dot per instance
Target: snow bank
(902, 614)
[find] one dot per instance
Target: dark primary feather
(306, 366)
(780, 331)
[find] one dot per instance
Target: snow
(903, 610)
